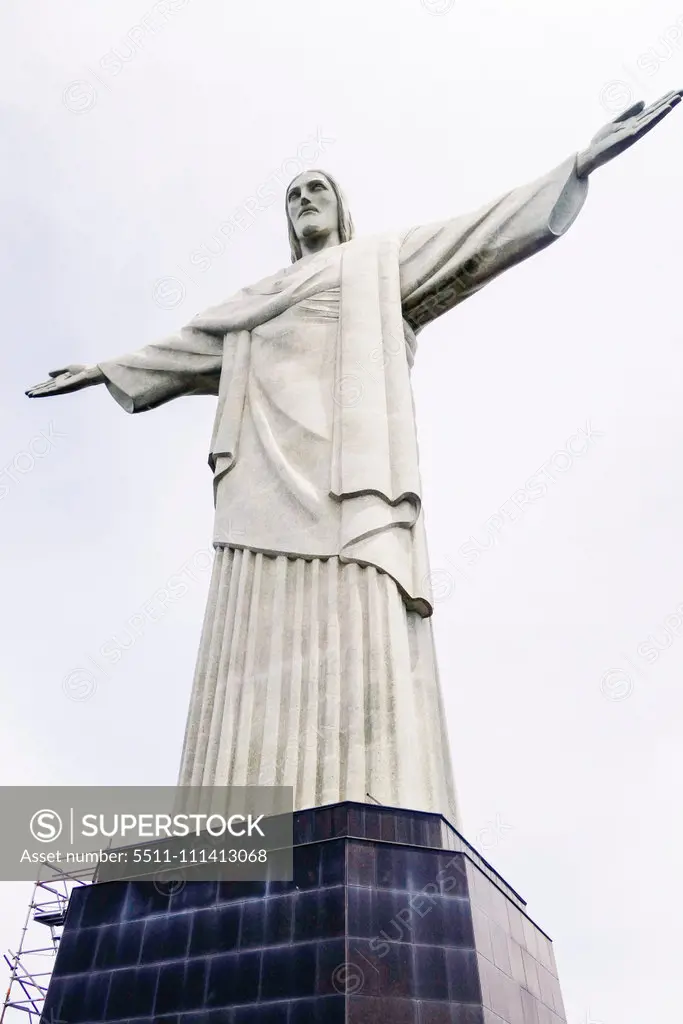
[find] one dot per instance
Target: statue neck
(317, 243)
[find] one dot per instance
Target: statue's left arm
(444, 263)
(441, 264)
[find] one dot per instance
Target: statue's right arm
(187, 363)
(69, 378)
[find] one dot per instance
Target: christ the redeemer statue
(316, 668)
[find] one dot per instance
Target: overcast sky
(131, 137)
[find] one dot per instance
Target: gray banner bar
(163, 832)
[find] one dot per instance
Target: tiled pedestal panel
(391, 917)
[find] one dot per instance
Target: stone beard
(316, 666)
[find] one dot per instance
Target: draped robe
(316, 666)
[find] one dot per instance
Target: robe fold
(314, 456)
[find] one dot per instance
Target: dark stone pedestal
(391, 917)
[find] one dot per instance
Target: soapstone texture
(317, 665)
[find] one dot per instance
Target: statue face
(312, 207)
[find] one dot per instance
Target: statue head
(317, 213)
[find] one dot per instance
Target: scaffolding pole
(29, 977)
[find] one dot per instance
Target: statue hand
(623, 131)
(70, 378)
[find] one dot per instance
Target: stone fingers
(656, 114)
(668, 99)
(38, 389)
(47, 387)
(637, 108)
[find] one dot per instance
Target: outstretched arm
(70, 378)
(625, 130)
(188, 363)
(444, 263)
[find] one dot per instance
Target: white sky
(108, 188)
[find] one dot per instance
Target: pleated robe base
(313, 674)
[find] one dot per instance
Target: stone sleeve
(187, 363)
(443, 263)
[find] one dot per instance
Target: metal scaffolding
(32, 963)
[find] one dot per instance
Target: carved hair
(346, 230)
